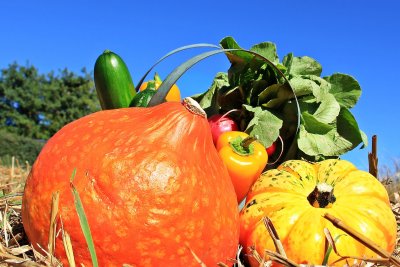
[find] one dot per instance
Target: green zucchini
(113, 81)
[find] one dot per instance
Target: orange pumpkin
(152, 186)
(297, 194)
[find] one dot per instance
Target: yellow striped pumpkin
(297, 194)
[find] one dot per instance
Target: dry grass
(390, 177)
(15, 249)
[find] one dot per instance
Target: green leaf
(364, 139)
(268, 50)
(241, 74)
(328, 109)
(320, 139)
(290, 113)
(322, 144)
(301, 65)
(347, 127)
(312, 125)
(264, 125)
(83, 221)
(209, 99)
(315, 90)
(246, 66)
(275, 95)
(303, 86)
(235, 56)
(231, 98)
(256, 88)
(322, 88)
(345, 88)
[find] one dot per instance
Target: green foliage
(287, 98)
(23, 148)
(37, 106)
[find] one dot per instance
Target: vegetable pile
(157, 181)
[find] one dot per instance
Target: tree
(23, 148)
(69, 97)
(37, 106)
(19, 94)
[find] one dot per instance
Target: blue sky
(356, 37)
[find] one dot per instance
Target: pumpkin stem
(194, 107)
(322, 196)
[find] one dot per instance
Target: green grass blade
(329, 251)
(201, 45)
(327, 254)
(83, 221)
(73, 175)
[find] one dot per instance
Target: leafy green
(208, 99)
(301, 65)
(263, 125)
(268, 50)
(328, 110)
(345, 89)
(235, 56)
(347, 127)
(275, 95)
(313, 125)
(303, 86)
(288, 99)
(327, 144)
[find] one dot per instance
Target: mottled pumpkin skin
(151, 183)
(281, 194)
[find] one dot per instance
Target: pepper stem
(322, 196)
(242, 146)
(247, 141)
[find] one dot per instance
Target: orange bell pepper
(244, 157)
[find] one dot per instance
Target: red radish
(271, 149)
(221, 123)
